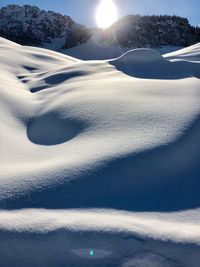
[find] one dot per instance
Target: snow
(95, 49)
(189, 53)
(185, 225)
(139, 62)
(55, 44)
(100, 155)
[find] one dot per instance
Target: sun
(106, 14)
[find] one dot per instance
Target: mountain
(28, 25)
(135, 31)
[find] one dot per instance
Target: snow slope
(100, 155)
(95, 49)
(189, 53)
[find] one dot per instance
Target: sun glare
(106, 14)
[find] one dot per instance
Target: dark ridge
(29, 25)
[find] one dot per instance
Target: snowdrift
(101, 156)
(149, 64)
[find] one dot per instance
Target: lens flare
(91, 253)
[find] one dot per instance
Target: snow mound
(93, 159)
(149, 64)
(141, 55)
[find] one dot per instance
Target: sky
(83, 11)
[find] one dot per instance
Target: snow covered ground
(94, 49)
(99, 160)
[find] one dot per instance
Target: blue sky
(83, 11)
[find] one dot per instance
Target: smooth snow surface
(95, 49)
(188, 53)
(101, 156)
(147, 63)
